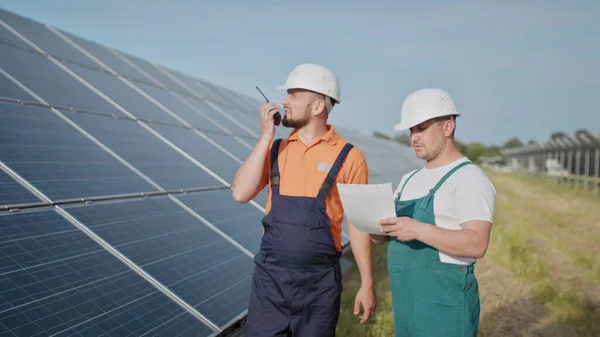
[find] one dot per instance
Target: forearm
(362, 249)
(248, 178)
(464, 243)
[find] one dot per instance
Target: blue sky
(523, 68)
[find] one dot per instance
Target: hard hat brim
(285, 87)
(403, 126)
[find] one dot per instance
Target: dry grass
(540, 277)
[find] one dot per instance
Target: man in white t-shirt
(444, 216)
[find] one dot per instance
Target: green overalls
(430, 298)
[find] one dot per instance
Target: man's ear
(449, 127)
(318, 107)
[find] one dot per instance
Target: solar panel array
(116, 216)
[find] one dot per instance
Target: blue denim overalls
(297, 280)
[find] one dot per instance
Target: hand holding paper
(366, 205)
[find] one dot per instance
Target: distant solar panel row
(81, 122)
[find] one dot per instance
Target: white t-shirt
(466, 195)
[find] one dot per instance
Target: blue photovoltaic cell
(252, 103)
(45, 39)
(56, 280)
(198, 265)
(251, 121)
(9, 90)
(230, 99)
(123, 95)
(156, 74)
(233, 146)
(107, 57)
(50, 82)
(146, 152)
(12, 192)
(197, 120)
(211, 157)
(57, 159)
(241, 222)
(10, 39)
(220, 117)
(178, 107)
(199, 87)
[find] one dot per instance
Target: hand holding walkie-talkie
(276, 116)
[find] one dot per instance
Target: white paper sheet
(366, 205)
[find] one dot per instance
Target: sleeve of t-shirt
(475, 197)
(359, 171)
(264, 180)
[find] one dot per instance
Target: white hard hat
(315, 78)
(425, 104)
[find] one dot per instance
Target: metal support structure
(587, 170)
(18, 207)
(570, 165)
(577, 168)
(597, 167)
(542, 167)
(562, 163)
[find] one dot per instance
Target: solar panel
(145, 238)
(172, 246)
(44, 38)
(48, 81)
(57, 159)
(56, 280)
(216, 207)
(149, 154)
(12, 192)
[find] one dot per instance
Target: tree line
(474, 151)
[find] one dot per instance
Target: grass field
(540, 276)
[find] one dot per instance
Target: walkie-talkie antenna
(263, 95)
(276, 116)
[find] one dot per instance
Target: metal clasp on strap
(274, 179)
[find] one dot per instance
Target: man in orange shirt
(297, 280)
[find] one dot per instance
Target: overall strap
(405, 182)
(333, 172)
(274, 178)
(427, 199)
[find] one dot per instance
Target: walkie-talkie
(277, 116)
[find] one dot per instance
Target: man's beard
(294, 123)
